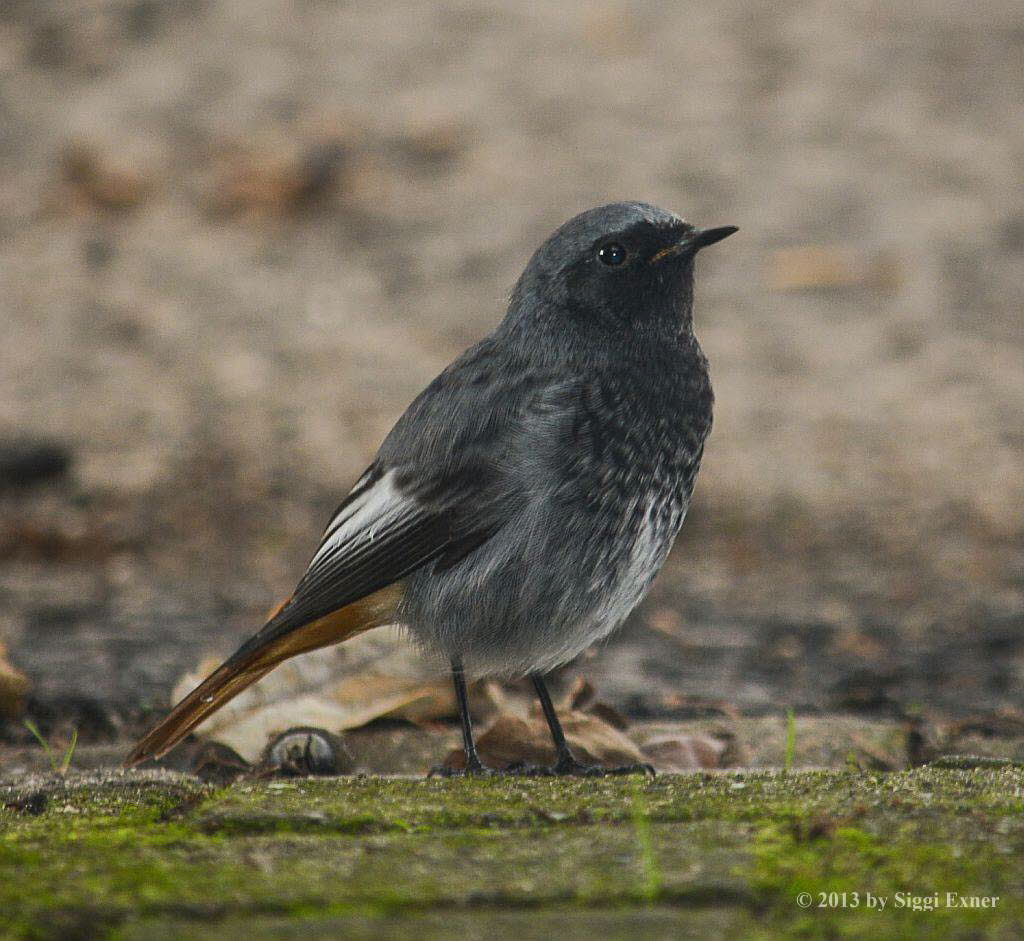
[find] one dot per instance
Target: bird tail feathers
(278, 641)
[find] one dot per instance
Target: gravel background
(236, 238)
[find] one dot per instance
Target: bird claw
(567, 765)
(475, 769)
(641, 767)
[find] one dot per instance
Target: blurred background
(238, 236)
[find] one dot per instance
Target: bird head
(620, 267)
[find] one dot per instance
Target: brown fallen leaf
(691, 706)
(14, 687)
(581, 696)
(381, 674)
(374, 675)
(685, 752)
(277, 183)
(1007, 723)
(810, 267)
(511, 740)
(433, 139)
(876, 758)
(216, 763)
(667, 621)
(70, 541)
(95, 178)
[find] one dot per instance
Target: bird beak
(695, 241)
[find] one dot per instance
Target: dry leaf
(809, 267)
(94, 177)
(667, 621)
(685, 752)
(878, 758)
(278, 183)
(434, 139)
(376, 674)
(14, 687)
(1008, 723)
(511, 741)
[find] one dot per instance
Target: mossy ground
(163, 856)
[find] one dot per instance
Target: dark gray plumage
(530, 494)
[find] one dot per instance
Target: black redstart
(520, 508)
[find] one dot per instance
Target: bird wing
(447, 477)
(388, 526)
(379, 534)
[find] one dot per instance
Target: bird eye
(611, 254)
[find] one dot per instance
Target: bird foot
(569, 766)
(641, 767)
(566, 766)
(473, 769)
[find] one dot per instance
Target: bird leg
(565, 761)
(473, 763)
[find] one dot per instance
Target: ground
(237, 238)
(153, 854)
(158, 855)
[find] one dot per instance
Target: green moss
(137, 856)
(858, 883)
(354, 805)
(659, 923)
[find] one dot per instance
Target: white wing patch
(360, 519)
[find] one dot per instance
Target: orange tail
(256, 658)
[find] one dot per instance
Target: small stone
(307, 751)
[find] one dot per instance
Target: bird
(520, 508)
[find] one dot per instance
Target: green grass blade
(66, 761)
(790, 740)
(650, 886)
(34, 729)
